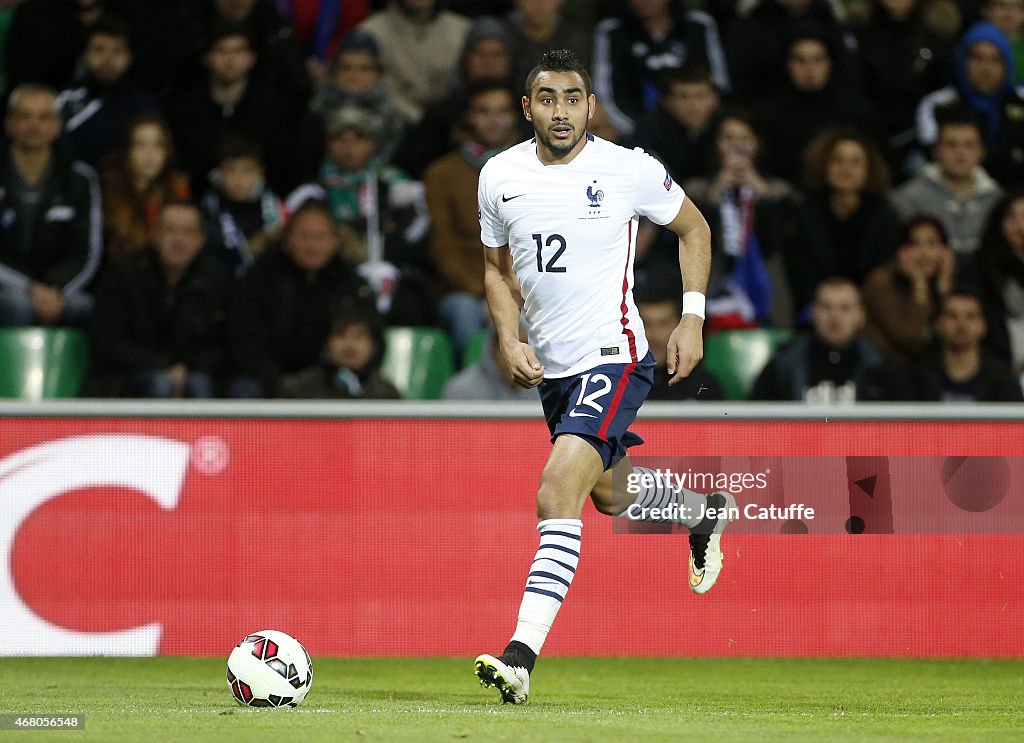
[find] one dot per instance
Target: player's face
(985, 67)
(559, 109)
(107, 57)
(178, 237)
(959, 150)
(660, 319)
(147, 154)
(925, 249)
(311, 240)
(837, 315)
(1013, 227)
(809, 65)
(961, 323)
(847, 167)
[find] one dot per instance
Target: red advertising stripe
(365, 538)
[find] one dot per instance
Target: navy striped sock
(663, 501)
(550, 575)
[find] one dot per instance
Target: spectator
(230, 101)
(419, 47)
(659, 305)
(354, 80)
(488, 379)
(631, 53)
(320, 26)
(681, 130)
(902, 297)
(845, 226)
(136, 182)
(758, 43)
(1008, 16)
(103, 100)
(46, 39)
(750, 216)
(955, 187)
(1001, 276)
(832, 363)
(280, 61)
(534, 27)
(983, 69)
(959, 370)
(281, 314)
(814, 99)
(486, 56)
(451, 184)
(50, 234)
(350, 365)
(906, 47)
(242, 212)
(381, 204)
(158, 328)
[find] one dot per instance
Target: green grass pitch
(574, 699)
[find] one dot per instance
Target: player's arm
(686, 345)
(505, 301)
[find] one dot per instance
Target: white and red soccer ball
(269, 669)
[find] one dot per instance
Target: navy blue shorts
(599, 405)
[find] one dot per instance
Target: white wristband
(693, 304)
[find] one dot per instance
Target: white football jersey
(571, 230)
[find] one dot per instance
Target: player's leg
(572, 469)
(655, 498)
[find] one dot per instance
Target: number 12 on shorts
(603, 386)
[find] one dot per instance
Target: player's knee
(554, 501)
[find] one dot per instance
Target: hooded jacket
(1000, 116)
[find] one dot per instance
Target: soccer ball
(269, 669)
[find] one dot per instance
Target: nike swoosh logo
(505, 198)
(543, 583)
(574, 414)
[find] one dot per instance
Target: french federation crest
(596, 197)
(668, 181)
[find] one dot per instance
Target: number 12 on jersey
(553, 240)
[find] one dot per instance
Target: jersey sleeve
(656, 195)
(493, 232)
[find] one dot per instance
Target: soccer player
(558, 217)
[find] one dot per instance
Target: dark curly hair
(559, 60)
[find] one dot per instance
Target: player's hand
(522, 363)
(685, 347)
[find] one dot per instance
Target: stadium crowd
(236, 197)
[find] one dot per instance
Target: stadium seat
(418, 361)
(736, 357)
(39, 363)
(475, 348)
